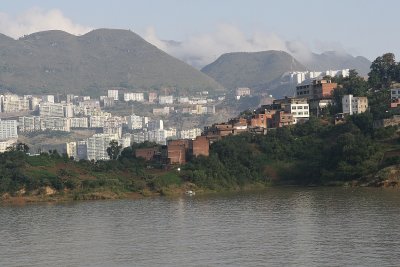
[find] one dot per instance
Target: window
(305, 112)
(305, 107)
(294, 107)
(299, 107)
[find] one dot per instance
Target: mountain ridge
(55, 61)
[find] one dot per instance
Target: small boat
(190, 193)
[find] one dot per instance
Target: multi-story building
(82, 122)
(354, 105)
(113, 93)
(14, 103)
(48, 109)
(125, 140)
(183, 100)
(72, 150)
(298, 107)
(395, 97)
(5, 144)
(316, 89)
(8, 129)
(242, 91)
(98, 121)
(152, 97)
(189, 134)
(97, 146)
(161, 111)
(139, 97)
(29, 123)
(140, 137)
(136, 122)
(108, 102)
(48, 98)
(55, 124)
(282, 118)
(200, 146)
(70, 98)
(113, 125)
(166, 99)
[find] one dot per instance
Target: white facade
(48, 109)
(55, 124)
(242, 91)
(29, 123)
(125, 140)
(167, 99)
(354, 105)
(14, 103)
(98, 121)
(183, 100)
(7, 143)
(79, 122)
(140, 137)
(297, 77)
(136, 122)
(97, 146)
(300, 111)
(113, 125)
(113, 93)
(189, 134)
(8, 129)
(72, 150)
(48, 98)
(134, 97)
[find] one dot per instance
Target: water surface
(277, 227)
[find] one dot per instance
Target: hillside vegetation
(58, 62)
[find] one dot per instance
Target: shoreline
(20, 200)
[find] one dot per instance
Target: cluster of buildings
(298, 77)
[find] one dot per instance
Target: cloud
(200, 50)
(36, 19)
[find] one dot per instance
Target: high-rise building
(8, 129)
(113, 93)
(97, 146)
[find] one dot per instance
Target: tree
(114, 149)
(383, 71)
(22, 147)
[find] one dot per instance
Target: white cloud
(200, 50)
(35, 19)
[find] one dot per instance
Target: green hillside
(55, 61)
(254, 70)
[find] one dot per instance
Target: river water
(276, 227)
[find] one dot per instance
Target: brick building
(316, 89)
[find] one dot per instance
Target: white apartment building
(8, 129)
(98, 121)
(55, 124)
(29, 123)
(136, 122)
(161, 111)
(71, 149)
(139, 97)
(14, 103)
(113, 125)
(299, 110)
(7, 143)
(166, 99)
(242, 91)
(82, 122)
(354, 105)
(183, 100)
(48, 109)
(189, 133)
(158, 136)
(97, 146)
(113, 93)
(48, 98)
(297, 77)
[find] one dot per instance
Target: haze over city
(199, 32)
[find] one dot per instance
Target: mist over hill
(251, 69)
(55, 61)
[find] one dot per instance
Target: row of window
(299, 107)
(300, 113)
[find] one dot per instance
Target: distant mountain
(255, 70)
(55, 61)
(333, 61)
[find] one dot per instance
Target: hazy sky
(208, 28)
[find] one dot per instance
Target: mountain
(332, 60)
(55, 61)
(255, 70)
